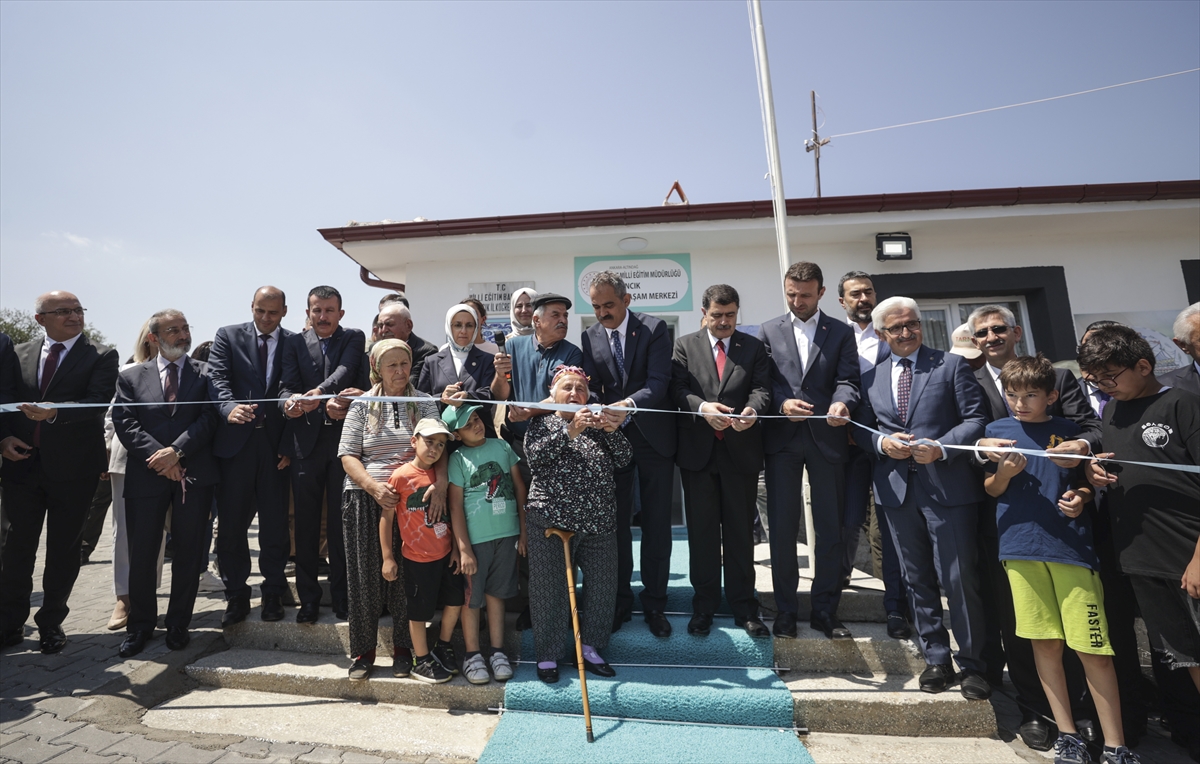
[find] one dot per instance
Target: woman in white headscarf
(521, 312)
(461, 370)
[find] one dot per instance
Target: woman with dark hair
(462, 369)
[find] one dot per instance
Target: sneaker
(210, 583)
(360, 670)
(402, 660)
(1120, 755)
(1069, 749)
(443, 652)
(475, 670)
(501, 669)
(428, 669)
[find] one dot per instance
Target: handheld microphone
(498, 338)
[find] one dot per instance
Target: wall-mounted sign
(657, 283)
(496, 297)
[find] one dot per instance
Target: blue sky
(181, 154)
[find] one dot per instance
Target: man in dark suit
(53, 458)
(627, 357)
(814, 371)
(395, 322)
(996, 333)
(925, 399)
(322, 360)
(1187, 337)
(170, 466)
(716, 372)
(10, 375)
(246, 363)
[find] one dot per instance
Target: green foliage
(21, 326)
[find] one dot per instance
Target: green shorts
(1054, 600)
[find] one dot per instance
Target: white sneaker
(475, 670)
(210, 583)
(501, 669)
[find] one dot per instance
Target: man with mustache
(534, 359)
(171, 466)
(323, 360)
(52, 462)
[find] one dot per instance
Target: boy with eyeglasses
(1155, 509)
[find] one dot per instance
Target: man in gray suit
(924, 399)
(1187, 337)
(814, 371)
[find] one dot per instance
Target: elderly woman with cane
(376, 440)
(572, 456)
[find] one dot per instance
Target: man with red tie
(53, 458)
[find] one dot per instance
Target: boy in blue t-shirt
(1047, 551)
(487, 512)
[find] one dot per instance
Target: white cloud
(79, 241)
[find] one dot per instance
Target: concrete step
(292, 597)
(871, 651)
(326, 676)
(878, 704)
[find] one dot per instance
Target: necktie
(325, 346)
(262, 357)
(903, 391)
(619, 354)
(171, 387)
(1101, 396)
(47, 374)
(720, 373)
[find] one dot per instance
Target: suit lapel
(733, 357)
(819, 338)
(189, 377)
(152, 382)
(999, 409)
(250, 344)
(921, 370)
(28, 356)
(883, 392)
(314, 350)
(633, 330)
(470, 363)
(788, 349)
(603, 351)
(70, 360)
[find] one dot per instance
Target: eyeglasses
(171, 331)
(65, 312)
(999, 330)
(896, 331)
(1105, 383)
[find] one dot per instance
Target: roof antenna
(675, 189)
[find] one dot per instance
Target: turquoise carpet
(733, 686)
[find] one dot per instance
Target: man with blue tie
(246, 363)
(924, 399)
(627, 357)
(323, 360)
(814, 372)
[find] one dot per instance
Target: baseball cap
(457, 417)
(962, 343)
(430, 426)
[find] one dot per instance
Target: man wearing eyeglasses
(925, 399)
(53, 458)
(1187, 338)
(994, 331)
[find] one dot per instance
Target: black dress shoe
(658, 623)
(178, 637)
(13, 637)
(897, 626)
(830, 625)
(755, 628)
(1037, 734)
(548, 675)
(700, 624)
(785, 625)
(621, 617)
(974, 686)
(272, 607)
(309, 612)
(341, 615)
(236, 611)
(52, 640)
(937, 678)
(599, 669)
(134, 643)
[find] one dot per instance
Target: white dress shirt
(46, 345)
(712, 341)
(624, 330)
(805, 333)
(868, 345)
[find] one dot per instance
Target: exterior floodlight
(893, 246)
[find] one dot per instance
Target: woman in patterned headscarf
(573, 456)
(377, 439)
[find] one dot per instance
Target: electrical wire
(1014, 105)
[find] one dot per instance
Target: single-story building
(1060, 256)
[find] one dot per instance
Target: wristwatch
(178, 453)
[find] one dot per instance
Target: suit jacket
(647, 375)
(1072, 403)
(946, 404)
(831, 376)
(747, 382)
(72, 446)
(478, 371)
(1185, 377)
(305, 367)
(10, 370)
(146, 429)
(234, 374)
(421, 352)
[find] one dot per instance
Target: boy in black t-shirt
(1155, 510)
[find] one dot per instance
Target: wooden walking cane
(566, 539)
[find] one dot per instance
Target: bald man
(53, 458)
(395, 321)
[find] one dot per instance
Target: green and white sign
(657, 283)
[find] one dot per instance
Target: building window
(939, 318)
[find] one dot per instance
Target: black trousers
(252, 483)
(93, 526)
(654, 475)
(316, 477)
(785, 514)
(30, 495)
(145, 518)
(720, 507)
